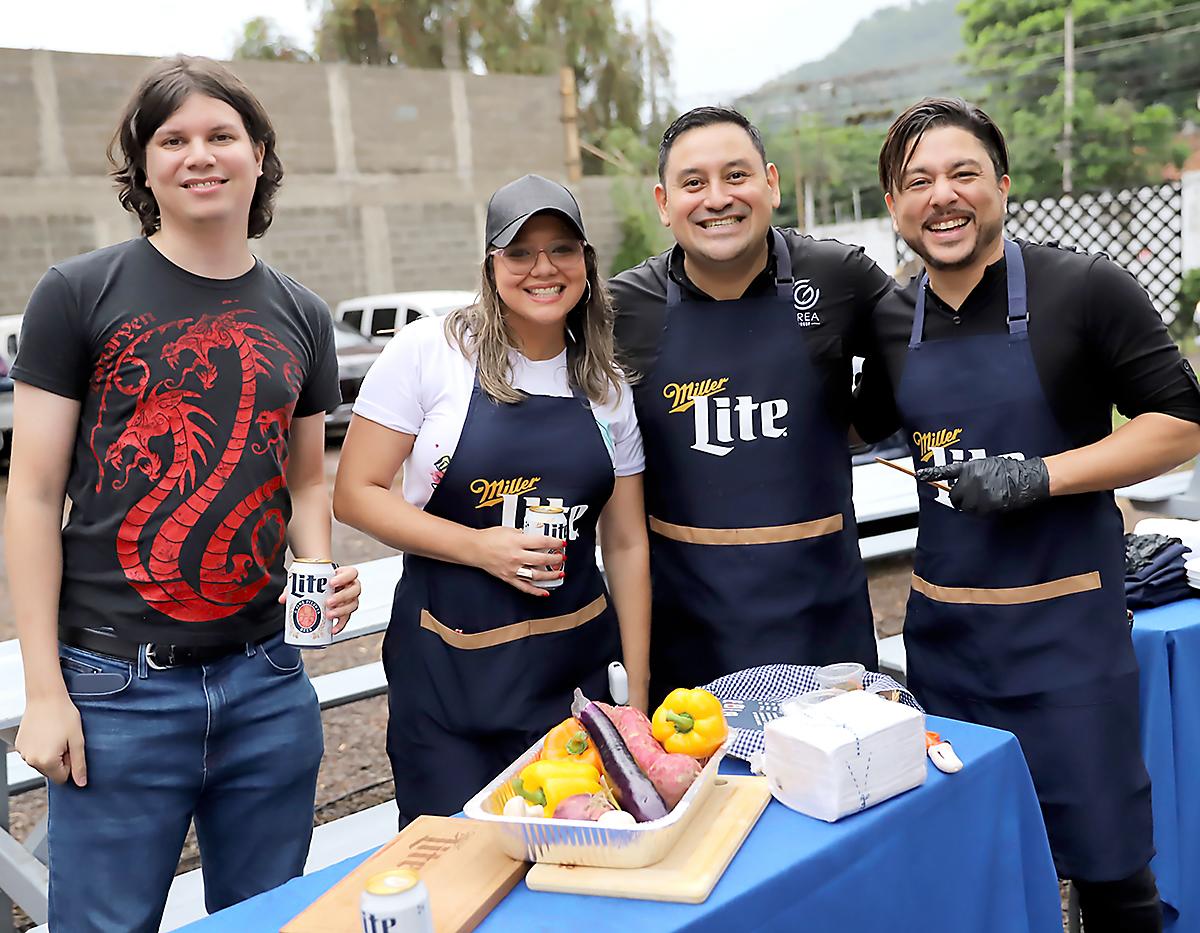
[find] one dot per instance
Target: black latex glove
(992, 484)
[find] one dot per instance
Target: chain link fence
(1140, 229)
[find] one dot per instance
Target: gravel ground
(355, 772)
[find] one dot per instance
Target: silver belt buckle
(151, 662)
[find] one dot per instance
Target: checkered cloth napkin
(753, 697)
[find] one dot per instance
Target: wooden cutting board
(693, 866)
(458, 860)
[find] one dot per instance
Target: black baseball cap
(519, 200)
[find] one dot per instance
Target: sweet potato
(582, 807)
(635, 728)
(672, 775)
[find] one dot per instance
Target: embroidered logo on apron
(935, 451)
(714, 415)
(492, 491)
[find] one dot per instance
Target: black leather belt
(158, 656)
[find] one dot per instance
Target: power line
(1054, 59)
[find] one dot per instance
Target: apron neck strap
(1018, 305)
(577, 392)
(783, 272)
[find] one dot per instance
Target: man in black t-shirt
(1002, 363)
(173, 388)
(741, 337)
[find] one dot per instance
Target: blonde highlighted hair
(479, 331)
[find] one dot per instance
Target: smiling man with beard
(1002, 364)
(742, 337)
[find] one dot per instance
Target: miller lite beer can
(307, 624)
(547, 520)
(396, 901)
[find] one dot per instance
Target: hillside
(893, 57)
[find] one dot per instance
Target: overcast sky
(719, 48)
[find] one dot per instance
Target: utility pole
(1068, 94)
(650, 64)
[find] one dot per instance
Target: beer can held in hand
(396, 901)
(547, 520)
(306, 622)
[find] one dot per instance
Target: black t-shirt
(179, 502)
(1096, 340)
(836, 286)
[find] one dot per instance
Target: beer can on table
(547, 520)
(396, 901)
(306, 622)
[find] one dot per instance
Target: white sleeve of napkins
(844, 755)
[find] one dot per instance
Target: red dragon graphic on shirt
(183, 481)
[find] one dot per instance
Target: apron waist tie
(517, 630)
(767, 534)
(1009, 595)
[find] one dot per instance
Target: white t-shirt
(421, 384)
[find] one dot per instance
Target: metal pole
(650, 65)
(570, 118)
(1068, 94)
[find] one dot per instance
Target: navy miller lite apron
(1018, 620)
(477, 670)
(753, 544)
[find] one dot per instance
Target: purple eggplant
(633, 790)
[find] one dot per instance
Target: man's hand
(344, 599)
(992, 484)
(51, 739)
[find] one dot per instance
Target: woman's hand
(519, 559)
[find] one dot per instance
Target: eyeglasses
(520, 259)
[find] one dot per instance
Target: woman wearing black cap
(510, 409)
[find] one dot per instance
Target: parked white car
(379, 317)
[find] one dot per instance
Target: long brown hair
(159, 94)
(479, 331)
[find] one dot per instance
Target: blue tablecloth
(963, 852)
(1167, 642)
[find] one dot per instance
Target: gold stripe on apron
(516, 631)
(768, 534)
(1009, 595)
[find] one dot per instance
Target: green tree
(1142, 51)
(834, 161)
(1133, 77)
(1114, 145)
(262, 39)
(609, 57)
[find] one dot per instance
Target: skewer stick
(895, 466)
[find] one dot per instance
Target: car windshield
(345, 337)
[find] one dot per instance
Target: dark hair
(161, 92)
(705, 116)
(905, 134)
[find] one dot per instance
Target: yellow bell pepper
(548, 783)
(690, 722)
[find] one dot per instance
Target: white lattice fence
(1140, 229)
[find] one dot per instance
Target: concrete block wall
(387, 170)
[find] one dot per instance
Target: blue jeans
(234, 745)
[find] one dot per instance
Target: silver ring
(525, 573)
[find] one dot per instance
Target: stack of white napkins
(844, 755)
